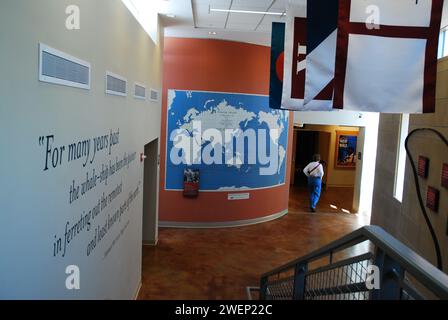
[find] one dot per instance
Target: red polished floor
(332, 200)
(221, 263)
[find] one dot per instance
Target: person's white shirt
(318, 173)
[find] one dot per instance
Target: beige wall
(336, 177)
(35, 203)
(404, 219)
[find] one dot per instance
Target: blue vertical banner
(277, 65)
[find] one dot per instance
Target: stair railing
(367, 264)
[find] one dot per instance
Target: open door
(324, 151)
(151, 194)
(293, 163)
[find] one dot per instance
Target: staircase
(368, 264)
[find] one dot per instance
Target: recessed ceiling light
(169, 15)
(212, 33)
(249, 11)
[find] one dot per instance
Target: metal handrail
(420, 269)
(331, 266)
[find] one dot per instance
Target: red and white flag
(386, 56)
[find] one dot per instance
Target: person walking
(314, 171)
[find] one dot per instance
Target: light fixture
(170, 15)
(249, 11)
(212, 33)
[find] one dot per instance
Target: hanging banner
(386, 56)
(295, 61)
(295, 57)
(277, 65)
(321, 51)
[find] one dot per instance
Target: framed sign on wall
(191, 183)
(346, 151)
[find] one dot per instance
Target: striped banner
(277, 65)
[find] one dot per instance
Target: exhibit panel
(235, 140)
(217, 120)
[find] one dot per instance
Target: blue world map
(235, 140)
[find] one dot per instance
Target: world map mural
(235, 140)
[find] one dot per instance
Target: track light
(249, 11)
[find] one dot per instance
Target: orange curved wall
(222, 66)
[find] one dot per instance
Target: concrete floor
(193, 264)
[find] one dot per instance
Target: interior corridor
(332, 200)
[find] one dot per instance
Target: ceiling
(194, 19)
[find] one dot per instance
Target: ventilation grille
(60, 68)
(116, 85)
(140, 91)
(154, 95)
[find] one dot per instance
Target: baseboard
(216, 225)
(138, 291)
(151, 243)
(340, 186)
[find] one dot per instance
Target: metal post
(390, 288)
(263, 288)
(300, 281)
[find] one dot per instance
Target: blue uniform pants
(315, 186)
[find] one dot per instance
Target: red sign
(445, 175)
(423, 166)
(191, 183)
(432, 199)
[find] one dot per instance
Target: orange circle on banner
(279, 66)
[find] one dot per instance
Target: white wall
(35, 204)
(365, 170)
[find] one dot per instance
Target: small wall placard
(445, 175)
(423, 167)
(238, 196)
(432, 199)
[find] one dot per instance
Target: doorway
(306, 144)
(151, 194)
(338, 184)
